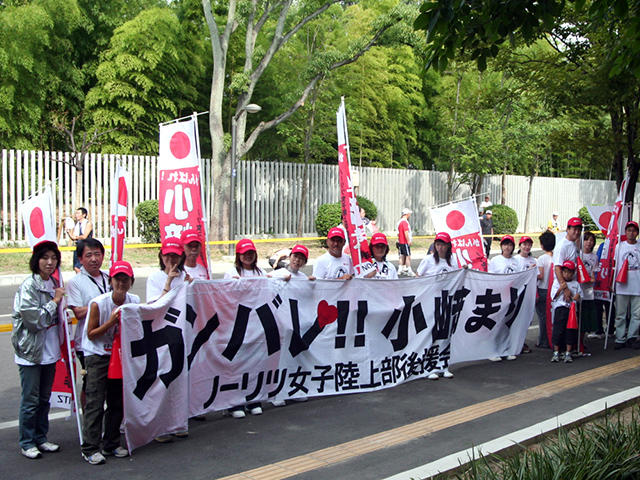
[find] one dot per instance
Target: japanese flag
(601, 216)
(38, 217)
(178, 145)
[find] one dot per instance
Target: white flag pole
(203, 203)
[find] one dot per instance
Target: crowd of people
(95, 296)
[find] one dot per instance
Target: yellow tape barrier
(258, 240)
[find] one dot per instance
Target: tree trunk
(503, 199)
(631, 118)
(527, 212)
(616, 115)
(79, 168)
(307, 155)
(452, 171)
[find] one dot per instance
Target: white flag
(38, 218)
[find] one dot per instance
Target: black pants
(561, 336)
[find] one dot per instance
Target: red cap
(48, 244)
(631, 224)
(189, 236)
(301, 249)
(525, 239)
(444, 237)
(569, 264)
(379, 238)
(245, 245)
(574, 222)
(507, 238)
(172, 245)
(336, 232)
(121, 267)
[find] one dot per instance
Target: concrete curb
(513, 442)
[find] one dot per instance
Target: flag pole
(176, 120)
(613, 279)
(203, 203)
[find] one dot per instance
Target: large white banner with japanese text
(231, 342)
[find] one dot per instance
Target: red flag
(572, 322)
(119, 202)
(624, 270)
(115, 361)
(583, 275)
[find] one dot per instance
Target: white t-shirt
(80, 228)
(385, 270)
(573, 286)
(81, 289)
(590, 261)
(156, 282)
(544, 262)
(527, 262)
(102, 345)
(196, 272)
(502, 264)
(285, 272)
(565, 251)
(428, 266)
(627, 251)
(329, 267)
(232, 273)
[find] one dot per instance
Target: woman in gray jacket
(36, 343)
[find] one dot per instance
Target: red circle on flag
(455, 220)
(180, 145)
(603, 220)
(36, 222)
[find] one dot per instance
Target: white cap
(555, 214)
(406, 211)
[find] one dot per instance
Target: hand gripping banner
(232, 342)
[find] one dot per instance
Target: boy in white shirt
(561, 336)
(333, 264)
(628, 293)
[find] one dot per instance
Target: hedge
(330, 214)
(148, 220)
(505, 219)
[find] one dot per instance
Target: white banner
(601, 216)
(39, 220)
(263, 339)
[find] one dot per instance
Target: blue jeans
(36, 382)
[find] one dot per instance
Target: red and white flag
(601, 216)
(606, 271)
(38, 218)
(180, 194)
(460, 221)
(119, 203)
(356, 233)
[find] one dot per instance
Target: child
(97, 341)
(379, 249)
(588, 305)
(561, 305)
(548, 243)
(628, 293)
(297, 260)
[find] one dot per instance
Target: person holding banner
(297, 260)
(563, 336)
(628, 289)
(333, 264)
(506, 262)
(380, 248)
(246, 266)
(192, 244)
(97, 342)
(440, 260)
(36, 342)
(404, 244)
(171, 274)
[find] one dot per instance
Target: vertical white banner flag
(119, 202)
(38, 217)
(601, 216)
(460, 220)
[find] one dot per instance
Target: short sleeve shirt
(81, 289)
(329, 267)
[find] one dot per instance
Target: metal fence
(268, 194)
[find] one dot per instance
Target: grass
(607, 448)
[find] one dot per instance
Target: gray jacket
(33, 312)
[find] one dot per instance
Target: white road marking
(52, 416)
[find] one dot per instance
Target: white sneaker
(495, 359)
(95, 459)
(256, 411)
(31, 453)
(278, 403)
(49, 447)
(433, 376)
(511, 357)
(410, 273)
(237, 413)
(119, 452)
(447, 374)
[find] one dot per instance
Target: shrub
(505, 219)
(148, 221)
(330, 214)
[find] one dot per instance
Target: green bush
(588, 224)
(370, 210)
(148, 220)
(505, 219)
(330, 214)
